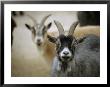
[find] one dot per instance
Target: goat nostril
(66, 52)
(38, 44)
(38, 40)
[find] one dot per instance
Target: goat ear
(77, 41)
(74, 43)
(51, 39)
(28, 26)
(49, 25)
(81, 39)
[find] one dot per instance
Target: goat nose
(38, 40)
(66, 52)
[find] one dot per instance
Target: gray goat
(75, 58)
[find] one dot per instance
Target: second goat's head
(39, 30)
(65, 44)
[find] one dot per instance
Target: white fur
(65, 50)
(38, 38)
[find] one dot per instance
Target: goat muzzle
(65, 59)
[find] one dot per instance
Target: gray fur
(86, 61)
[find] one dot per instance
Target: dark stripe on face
(65, 42)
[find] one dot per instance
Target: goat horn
(60, 27)
(44, 19)
(72, 28)
(35, 22)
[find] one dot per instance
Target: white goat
(39, 37)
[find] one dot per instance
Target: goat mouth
(39, 44)
(66, 58)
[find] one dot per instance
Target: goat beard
(65, 61)
(64, 64)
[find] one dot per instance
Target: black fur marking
(65, 41)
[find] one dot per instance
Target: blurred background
(25, 57)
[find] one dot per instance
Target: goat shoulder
(87, 56)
